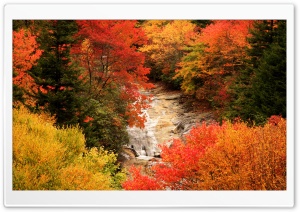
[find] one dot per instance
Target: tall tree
(260, 87)
(56, 76)
(113, 71)
(269, 81)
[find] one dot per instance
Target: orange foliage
(25, 55)
(227, 157)
(247, 159)
(166, 41)
(226, 44)
(225, 36)
(25, 50)
(137, 103)
(216, 54)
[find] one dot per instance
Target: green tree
(260, 88)
(55, 74)
(269, 82)
(103, 126)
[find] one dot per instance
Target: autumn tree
(180, 162)
(213, 59)
(26, 52)
(113, 72)
(165, 48)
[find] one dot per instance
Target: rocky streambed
(171, 115)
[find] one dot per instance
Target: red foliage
(88, 119)
(180, 161)
(181, 158)
(109, 53)
(274, 120)
(227, 157)
(115, 44)
(140, 182)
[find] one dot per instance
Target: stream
(168, 117)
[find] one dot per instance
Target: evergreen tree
(259, 90)
(262, 36)
(55, 74)
(269, 81)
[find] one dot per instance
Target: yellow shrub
(79, 178)
(73, 140)
(47, 158)
(37, 157)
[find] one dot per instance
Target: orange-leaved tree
(228, 157)
(26, 52)
(213, 59)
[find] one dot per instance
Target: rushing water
(143, 140)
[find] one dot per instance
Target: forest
(78, 86)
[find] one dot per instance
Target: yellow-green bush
(47, 158)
